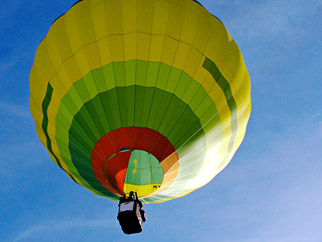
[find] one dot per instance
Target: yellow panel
(84, 22)
(143, 46)
(58, 93)
(41, 135)
(215, 41)
(157, 42)
(35, 109)
(52, 52)
(202, 76)
(223, 56)
(176, 15)
(130, 46)
(114, 13)
(190, 24)
(193, 62)
(242, 96)
(103, 47)
(203, 31)
(92, 56)
(160, 17)
(61, 42)
(71, 67)
(45, 65)
(99, 21)
(144, 16)
(142, 190)
(129, 16)
(37, 87)
(183, 51)
(169, 50)
(94, 3)
(81, 60)
(116, 47)
(72, 30)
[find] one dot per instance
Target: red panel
(108, 148)
(168, 151)
(113, 138)
(123, 137)
(116, 170)
(134, 132)
(143, 140)
(159, 147)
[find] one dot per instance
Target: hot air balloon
(143, 96)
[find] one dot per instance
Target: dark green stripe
(225, 87)
(45, 105)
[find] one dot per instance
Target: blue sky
(271, 190)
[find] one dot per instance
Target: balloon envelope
(151, 96)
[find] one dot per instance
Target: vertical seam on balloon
(90, 114)
(214, 71)
(89, 128)
(148, 117)
(112, 62)
(146, 73)
(99, 57)
(171, 68)
(183, 74)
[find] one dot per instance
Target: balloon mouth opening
(134, 170)
(135, 159)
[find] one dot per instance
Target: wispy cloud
(61, 226)
(273, 19)
(15, 110)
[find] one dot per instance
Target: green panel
(108, 71)
(141, 72)
(101, 115)
(139, 102)
(163, 76)
(90, 85)
(152, 73)
(130, 72)
(143, 169)
(199, 96)
(147, 102)
(161, 111)
(174, 112)
(82, 89)
(130, 95)
(174, 76)
(119, 73)
(154, 109)
(99, 79)
(111, 107)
